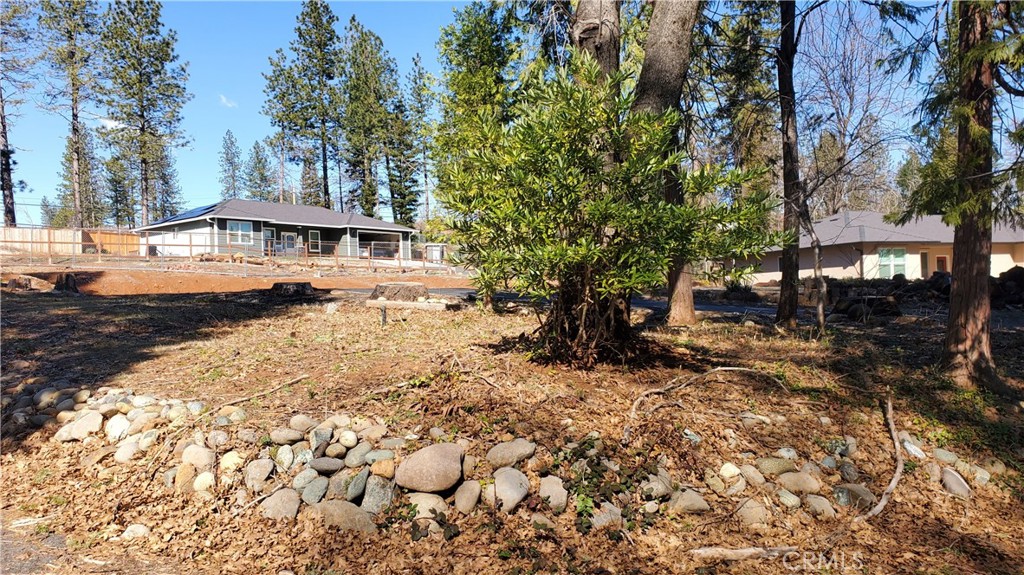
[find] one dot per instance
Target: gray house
(273, 229)
(862, 244)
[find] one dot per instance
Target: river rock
(201, 457)
(752, 475)
(775, 465)
(752, 513)
(344, 516)
(304, 478)
(554, 493)
(256, 474)
(116, 428)
(327, 465)
(799, 482)
(373, 434)
(335, 450)
(204, 481)
(378, 495)
(853, 494)
(510, 487)
(955, 484)
(820, 507)
(427, 504)
(511, 452)
(85, 425)
(787, 499)
(283, 504)
(126, 452)
(231, 461)
(848, 472)
(346, 438)
(384, 468)
(729, 470)
(607, 517)
(286, 436)
(315, 490)
(284, 457)
(994, 466)
(467, 496)
(356, 457)
(657, 486)
(319, 440)
(357, 485)
(688, 501)
(302, 423)
(944, 456)
(787, 453)
(434, 468)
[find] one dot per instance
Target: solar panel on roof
(193, 213)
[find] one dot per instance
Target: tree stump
(400, 291)
(21, 283)
(66, 283)
(291, 288)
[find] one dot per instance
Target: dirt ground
(224, 278)
(469, 373)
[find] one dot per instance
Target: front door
(924, 265)
(288, 242)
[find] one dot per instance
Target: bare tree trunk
(819, 277)
(968, 348)
(596, 30)
(76, 154)
(323, 167)
(792, 193)
(6, 177)
(667, 53)
(341, 185)
(280, 171)
(144, 187)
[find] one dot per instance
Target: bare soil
(468, 373)
(225, 278)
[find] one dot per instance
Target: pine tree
(47, 212)
(146, 90)
(120, 190)
(167, 199)
(71, 29)
(302, 92)
(230, 168)
(421, 102)
(258, 175)
(83, 204)
(311, 184)
(16, 61)
(401, 161)
(370, 82)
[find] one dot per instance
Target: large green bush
(566, 203)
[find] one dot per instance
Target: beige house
(860, 244)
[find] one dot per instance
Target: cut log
(400, 291)
(20, 283)
(66, 283)
(292, 288)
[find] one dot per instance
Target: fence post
(190, 247)
(49, 246)
(147, 246)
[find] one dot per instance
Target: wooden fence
(62, 241)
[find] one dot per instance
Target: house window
(892, 261)
(174, 232)
(314, 240)
(941, 264)
(239, 232)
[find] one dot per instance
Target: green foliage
(230, 168)
(257, 175)
(310, 183)
(537, 206)
(120, 183)
(144, 94)
(303, 98)
(93, 206)
(401, 162)
(370, 82)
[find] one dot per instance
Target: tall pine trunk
(144, 187)
(76, 159)
(323, 165)
(667, 54)
(6, 177)
(968, 347)
(786, 314)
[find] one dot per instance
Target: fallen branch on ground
(239, 511)
(709, 554)
(255, 396)
(899, 466)
(676, 384)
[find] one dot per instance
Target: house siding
(193, 238)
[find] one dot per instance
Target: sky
(227, 46)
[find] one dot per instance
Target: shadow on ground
(77, 341)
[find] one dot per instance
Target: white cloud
(110, 124)
(227, 102)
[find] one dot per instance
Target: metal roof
(854, 227)
(273, 212)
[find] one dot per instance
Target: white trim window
(239, 232)
(314, 241)
(892, 261)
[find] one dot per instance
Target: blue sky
(227, 46)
